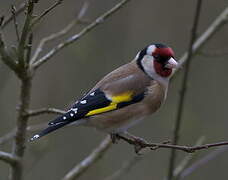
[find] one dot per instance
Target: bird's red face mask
(164, 61)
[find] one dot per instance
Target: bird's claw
(114, 137)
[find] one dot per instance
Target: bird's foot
(114, 137)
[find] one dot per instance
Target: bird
(123, 97)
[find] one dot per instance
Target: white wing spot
(75, 110)
(83, 102)
(92, 94)
(64, 117)
(71, 114)
(35, 137)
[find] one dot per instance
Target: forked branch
(79, 35)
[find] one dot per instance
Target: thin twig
(9, 18)
(13, 11)
(140, 143)
(183, 93)
(10, 135)
(5, 56)
(125, 168)
(77, 36)
(25, 32)
(96, 154)
(184, 163)
(1, 20)
(203, 161)
(7, 137)
(29, 48)
(215, 53)
(215, 26)
(59, 33)
(8, 158)
(45, 111)
(38, 19)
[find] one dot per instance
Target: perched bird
(124, 96)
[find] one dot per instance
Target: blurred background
(78, 67)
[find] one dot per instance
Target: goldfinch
(124, 96)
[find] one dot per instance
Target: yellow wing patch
(124, 97)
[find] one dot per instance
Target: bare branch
(216, 25)
(8, 19)
(38, 19)
(210, 156)
(25, 93)
(96, 154)
(215, 53)
(25, 32)
(76, 37)
(182, 99)
(184, 163)
(83, 10)
(125, 168)
(1, 20)
(7, 137)
(5, 56)
(29, 48)
(8, 158)
(45, 111)
(58, 34)
(140, 143)
(13, 11)
(22, 120)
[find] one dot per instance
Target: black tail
(49, 129)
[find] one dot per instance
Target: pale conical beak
(172, 63)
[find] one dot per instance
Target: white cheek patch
(150, 50)
(148, 66)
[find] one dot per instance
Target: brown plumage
(130, 78)
(125, 95)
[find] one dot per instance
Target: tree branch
(38, 19)
(182, 99)
(5, 56)
(77, 36)
(140, 143)
(45, 111)
(59, 33)
(7, 137)
(186, 160)
(125, 168)
(22, 119)
(29, 48)
(8, 158)
(13, 11)
(196, 165)
(96, 154)
(25, 32)
(8, 19)
(216, 25)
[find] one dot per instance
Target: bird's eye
(156, 56)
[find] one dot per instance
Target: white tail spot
(75, 110)
(35, 137)
(92, 94)
(83, 102)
